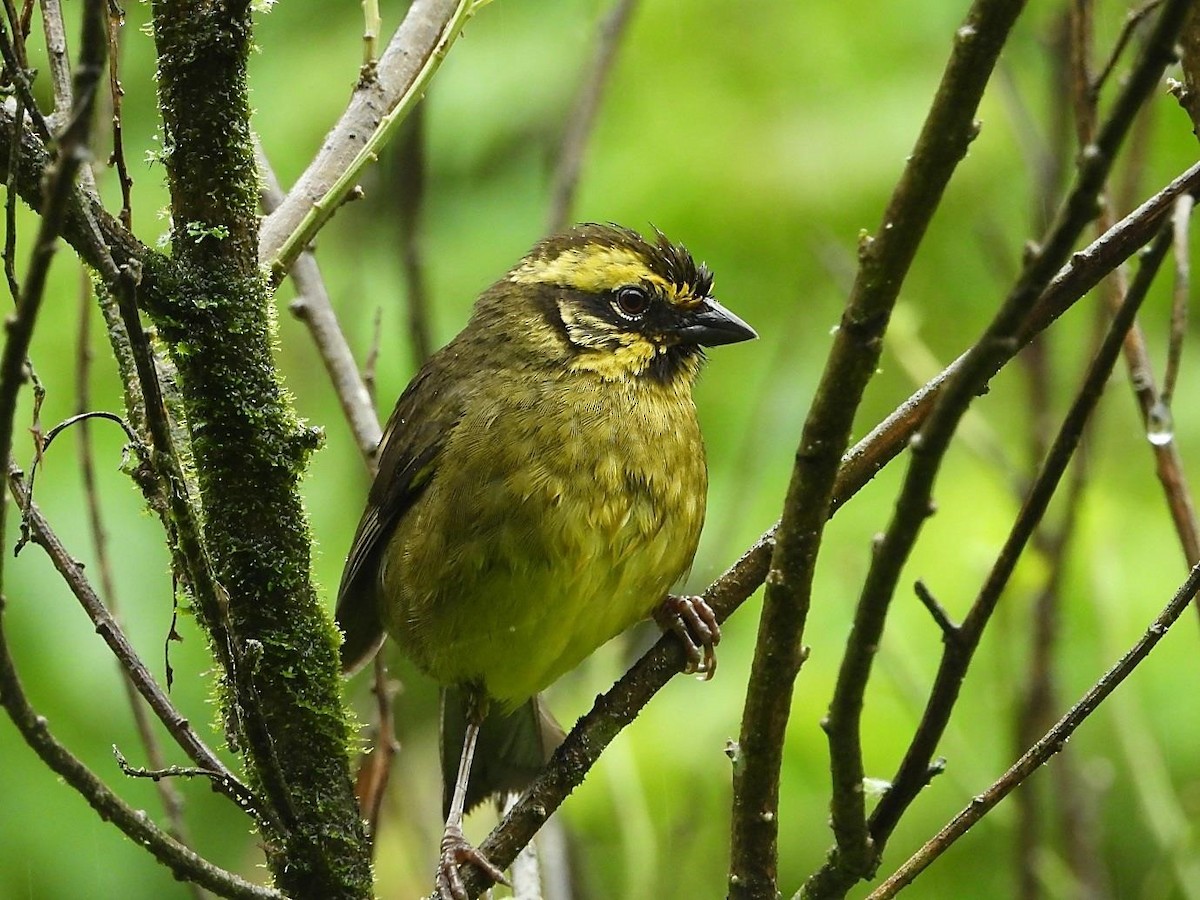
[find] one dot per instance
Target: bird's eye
(632, 301)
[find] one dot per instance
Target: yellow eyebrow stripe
(591, 269)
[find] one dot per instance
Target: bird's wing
(424, 416)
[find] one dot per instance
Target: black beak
(710, 325)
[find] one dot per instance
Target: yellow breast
(560, 513)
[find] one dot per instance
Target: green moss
(214, 314)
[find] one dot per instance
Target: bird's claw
(693, 620)
(456, 850)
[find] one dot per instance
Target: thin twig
(371, 24)
(110, 630)
(1156, 416)
(956, 658)
(1180, 298)
(60, 63)
(116, 19)
(938, 612)
(371, 362)
(17, 70)
(884, 260)
(1051, 743)
(379, 104)
(14, 22)
(1133, 18)
(375, 767)
(1188, 93)
(135, 824)
(58, 192)
(10, 209)
(172, 800)
(584, 112)
(1076, 801)
(313, 307)
(60, 72)
(161, 773)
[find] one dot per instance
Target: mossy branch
(213, 311)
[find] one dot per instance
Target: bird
(541, 486)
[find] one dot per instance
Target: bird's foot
(693, 620)
(456, 850)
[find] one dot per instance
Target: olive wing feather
(424, 416)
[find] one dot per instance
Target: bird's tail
(511, 749)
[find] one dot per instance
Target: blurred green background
(765, 136)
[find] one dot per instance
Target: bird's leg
(455, 848)
(693, 620)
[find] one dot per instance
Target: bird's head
(621, 306)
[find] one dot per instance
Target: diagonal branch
(913, 773)
(139, 675)
(383, 97)
(181, 860)
(1051, 743)
(313, 307)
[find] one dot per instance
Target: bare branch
(1133, 18)
(172, 800)
(377, 107)
(181, 860)
(1051, 743)
(375, 767)
(956, 658)
(1188, 93)
(137, 672)
(1180, 297)
(884, 260)
(116, 19)
(60, 63)
(17, 70)
(59, 190)
(855, 856)
(1156, 416)
(940, 617)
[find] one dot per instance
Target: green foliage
(765, 137)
